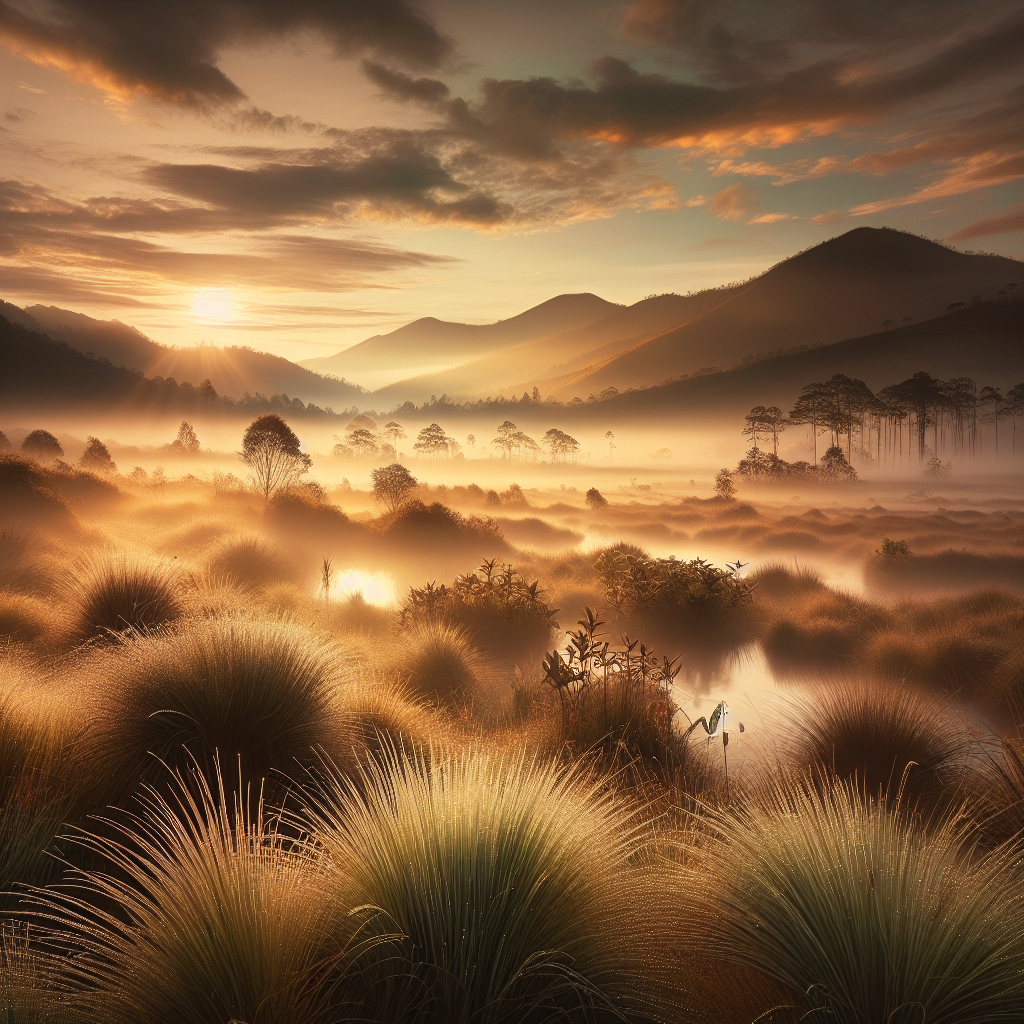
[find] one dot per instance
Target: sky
(298, 176)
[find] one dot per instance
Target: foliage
(42, 445)
(500, 610)
(834, 468)
(96, 457)
(868, 911)
(419, 523)
(595, 499)
(271, 451)
(511, 440)
(187, 440)
(564, 448)
(432, 441)
(392, 485)
(509, 881)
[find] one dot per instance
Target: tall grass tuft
(30, 991)
(117, 591)
(512, 882)
(198, 911)
(886, 735)
(440, 663)
(875, 916)
(256, 691)
(23, 619)
(248, 561)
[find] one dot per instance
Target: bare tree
(271, 451)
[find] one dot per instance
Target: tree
(42, 445)
(775, 423)
(392, 485)
(1015, 407)
(595, 499)
(96, 457)
(563, 447)
(471, 440)
(432, 441)
(394, 433)
(186, 440)
(921, 394)
(271, 451)
(506, 439)
(835, 468)
(5, 445)
(724, 486)
(755, 420)
(991, 397)
(362, 442)
(610, 438)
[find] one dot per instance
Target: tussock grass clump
(887, 920)
(25, 566)
(511, 881)
(27, 497)
(385, 718)
(440, 663)
(30, 990)
(213, 918)
(776, 581)
(39, 771)
(248, 561)
(23, 619)
(118, 591)
(256, 691)
(883, 735)
(998, 803)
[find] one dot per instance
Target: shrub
(510, 881)
(417, 523)
(775, 581)
(214, 917)
(595, 499)
(114, 591)
(27, 497)
(883, 735)
(258, 692)
(503, 614)
(872, 915)
(440, 663)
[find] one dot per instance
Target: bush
(511, 883)
(27, 497)
(775, 581)
(214, 918)
(872, 915)
(259, 693)
(426, 524)
(117, 591)
(595, 499)
(502, 613)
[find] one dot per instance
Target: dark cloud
(168, 49)
(1010, 219)
(401, 86)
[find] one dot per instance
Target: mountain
(233, 370)
(843, 288)
(983, 341)
(428, 344)
(560, 353)
(39, 374)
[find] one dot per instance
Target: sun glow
(378, 588)
(214, 304)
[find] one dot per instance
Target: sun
(214, 304)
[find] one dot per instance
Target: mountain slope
(985, 342)
(840, 289)
(428, 343)
(560, 353)
(232, 370)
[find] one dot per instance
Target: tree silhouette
(595, 499)
(610, 438)
(392, 485)
(186, 440)
(432, 441)
(362, 442)
(563, 447)
(271, 451)
(96, 457)
(42, 445)
(5, 445)
(393, 432)
(471, 440)
(724, 486)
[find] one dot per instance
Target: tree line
(920, 416)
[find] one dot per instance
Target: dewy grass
(440, 662)
(117, 591)
(198, 911)
(511, 881)
(883, 916)
(259, 692)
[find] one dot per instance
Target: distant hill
(429, 344)
(233, 370)
(844, 288)
(39, 374)
(557, 354)
(984, 341)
